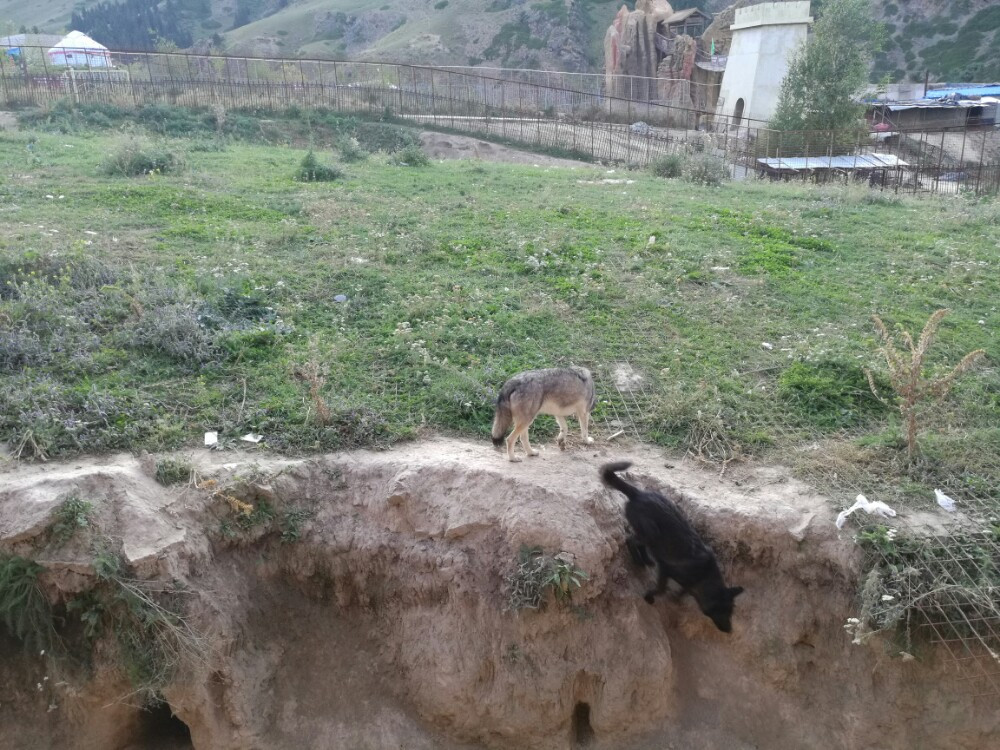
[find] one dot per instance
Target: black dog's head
(721, 610)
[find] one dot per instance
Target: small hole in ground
(159, 729)
(583, 733)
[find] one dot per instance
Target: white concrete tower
(764, 38)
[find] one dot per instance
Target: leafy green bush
(411, 156)
(24, 610)
(350, 149)
(310, 170)
(136, 156)
(667, 166)
(706, 169)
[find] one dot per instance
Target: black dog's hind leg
(662, 578)
(638, 552)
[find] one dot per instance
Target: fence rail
(631, 130)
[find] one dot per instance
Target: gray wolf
(661, 535)
(559, 391)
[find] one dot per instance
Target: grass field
(139, 312)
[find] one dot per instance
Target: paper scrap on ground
(211, 438)
(944, 501)
(863, 503)
(251, 438)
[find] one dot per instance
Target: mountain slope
(952, 39)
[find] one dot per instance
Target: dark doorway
(738, 112)
(583, 733)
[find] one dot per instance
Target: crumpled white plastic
(863, 503)
(211, 439)
(944, 501)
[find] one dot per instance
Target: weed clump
(173, 471)
(828, 394)
(311, 170)
(667, 166)
(536, 574)
(72, 515)
(706, 169)
(135, 156)
(906, 374)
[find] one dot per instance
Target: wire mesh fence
(567, 112)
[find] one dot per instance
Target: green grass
(137, 313)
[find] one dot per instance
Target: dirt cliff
(379, 618)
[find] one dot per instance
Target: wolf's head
(720, 610)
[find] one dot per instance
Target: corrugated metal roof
(931, 104)
(992, 89)
(683, 15)
(849, 161)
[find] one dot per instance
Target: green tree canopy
(830, 70)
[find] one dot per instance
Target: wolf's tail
(502, 418)
(610, 477)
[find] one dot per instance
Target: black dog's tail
(609, 475)
(502, 418)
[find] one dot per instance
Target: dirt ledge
(384, 625)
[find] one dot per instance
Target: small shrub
(536, 573)
(173, 471)
(411, 156)
(71, 515)
(706, 169)
(310, 170)
(441, 5)
(668, 166)
(138, 157)
(176, 330)
(350, 150)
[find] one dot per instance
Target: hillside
(953, 40)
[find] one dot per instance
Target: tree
(829, 71)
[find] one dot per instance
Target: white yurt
(77, 50)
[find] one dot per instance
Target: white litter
(765, 345)
(944, 501)
(211, 438)
(863, 503)
(251, 438)
(652, 240)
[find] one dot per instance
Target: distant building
(77, 50)
(14, 44)
(764, 38)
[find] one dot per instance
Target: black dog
(664, 537)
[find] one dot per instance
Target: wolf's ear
(735, 591)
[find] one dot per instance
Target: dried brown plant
(906, 372)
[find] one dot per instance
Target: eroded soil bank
(381, 622)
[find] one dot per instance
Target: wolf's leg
(584, 416)
(527, 443)
(512, 441)
(661, 584)
(563, 431)
(638, 552)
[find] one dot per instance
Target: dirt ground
(450, 146)
(386, 622)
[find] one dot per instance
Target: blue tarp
(990, 90)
